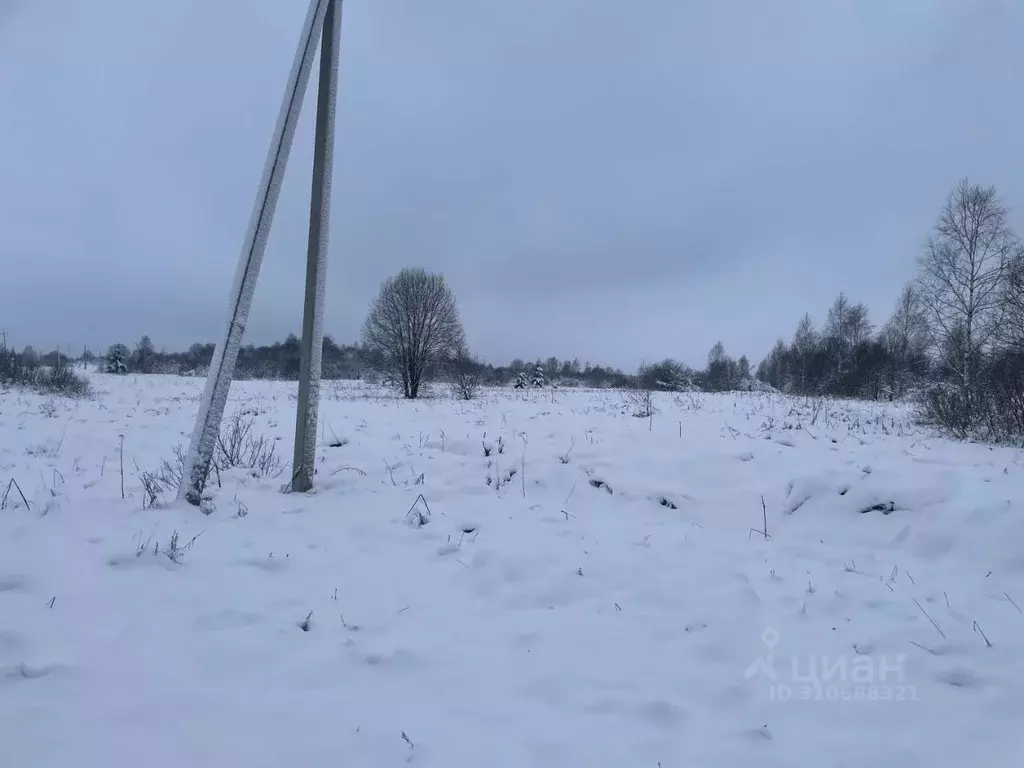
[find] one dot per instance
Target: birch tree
(1011, 333)
(962, 277)
(906, 339)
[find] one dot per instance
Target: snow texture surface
(598, 590)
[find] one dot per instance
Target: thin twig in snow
(14, 483)
(417, 501)
(923, 647)
(980, 631)
(348, 469)
(122, 464)
(62, 436)
(564, 458)
(566, 504)
(522, 436)
(937, 628)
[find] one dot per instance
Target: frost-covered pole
(311, 357)
(222, 367)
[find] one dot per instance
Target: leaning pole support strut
(222, 367)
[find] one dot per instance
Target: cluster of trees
(539, 373)
(412, 334)
(955, 338)
(51, 373)
(846, 358)
(971, 280)
(414, 331)
(723, 374)
(279, 360)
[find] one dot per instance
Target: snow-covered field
(598, 591)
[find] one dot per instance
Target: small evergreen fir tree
(538, 378)
(117, 359)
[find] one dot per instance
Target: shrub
(22, 371)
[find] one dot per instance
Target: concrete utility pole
(310, 361)
(324, 20)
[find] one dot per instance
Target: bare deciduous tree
(414, 324)
(962, 278)
(805, 345)
(846, 328)
(1011, 334)
(906, 337)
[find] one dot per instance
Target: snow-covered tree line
(955, 338)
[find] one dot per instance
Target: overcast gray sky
(595, 178)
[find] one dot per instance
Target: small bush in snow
(640, 401)
(465, 383)
(22, 370)
(237, 446)
(152, 487)
(61, 380)
(944, 406)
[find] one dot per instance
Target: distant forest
(846, 357)
(954, 341)
(340, 361)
